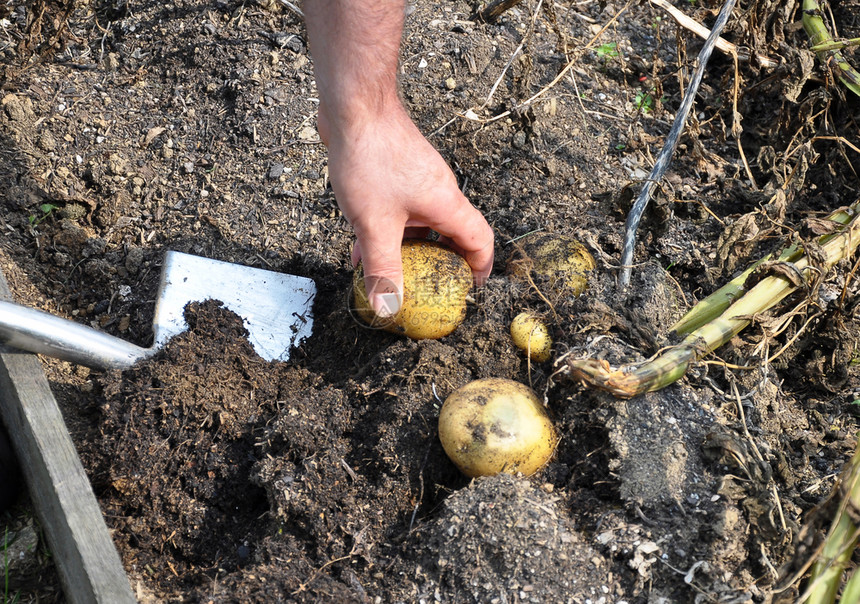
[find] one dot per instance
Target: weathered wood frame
(85, 556)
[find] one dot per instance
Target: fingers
(466, 230)
(379, 251)
(408, 233)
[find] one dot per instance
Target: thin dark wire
(668, 150)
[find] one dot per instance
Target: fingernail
(386, 304)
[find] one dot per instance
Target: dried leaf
(815, 227)
(152, 134)
(786, 270)
(737, 241)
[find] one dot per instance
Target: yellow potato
(530, 334)
(495, 425)
(561, 261)
(436, 281)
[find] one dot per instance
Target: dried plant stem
(838, 139)
(737, 130)
(703, 32)
(513, 56)
(470, 114)
(792, 340)
(758, 455)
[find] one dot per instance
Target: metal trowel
(276, 309)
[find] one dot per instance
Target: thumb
(383, 273)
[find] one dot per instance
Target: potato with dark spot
(436, 281)
(561, 262)
(495, 425)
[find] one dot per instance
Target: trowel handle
(37, 331)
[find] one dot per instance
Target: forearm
(371, 140)
(355, 46)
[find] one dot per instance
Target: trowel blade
(276, 308)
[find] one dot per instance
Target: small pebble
(519, 140)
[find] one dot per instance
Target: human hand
(391, 183)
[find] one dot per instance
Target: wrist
(343, 122)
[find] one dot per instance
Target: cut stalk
(713, 306)
(672, 365)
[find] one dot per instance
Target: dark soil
(132, 128)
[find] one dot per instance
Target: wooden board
(86, 558)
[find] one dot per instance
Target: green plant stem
(851, 593)
(672, 364)
(814, 26)
(713, 306)
(826, 575)
(835, 45)
(827, 571)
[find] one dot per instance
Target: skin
(388, 180)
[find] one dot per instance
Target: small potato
(436, 281)
(530, 334)
(495, 425)
(561, 261)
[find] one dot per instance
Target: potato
(436, 281)
(495, 425)
(530, 334)
(561, 261)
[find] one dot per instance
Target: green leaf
(643, 101)
(608, 50)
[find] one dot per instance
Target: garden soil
(132, 128)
